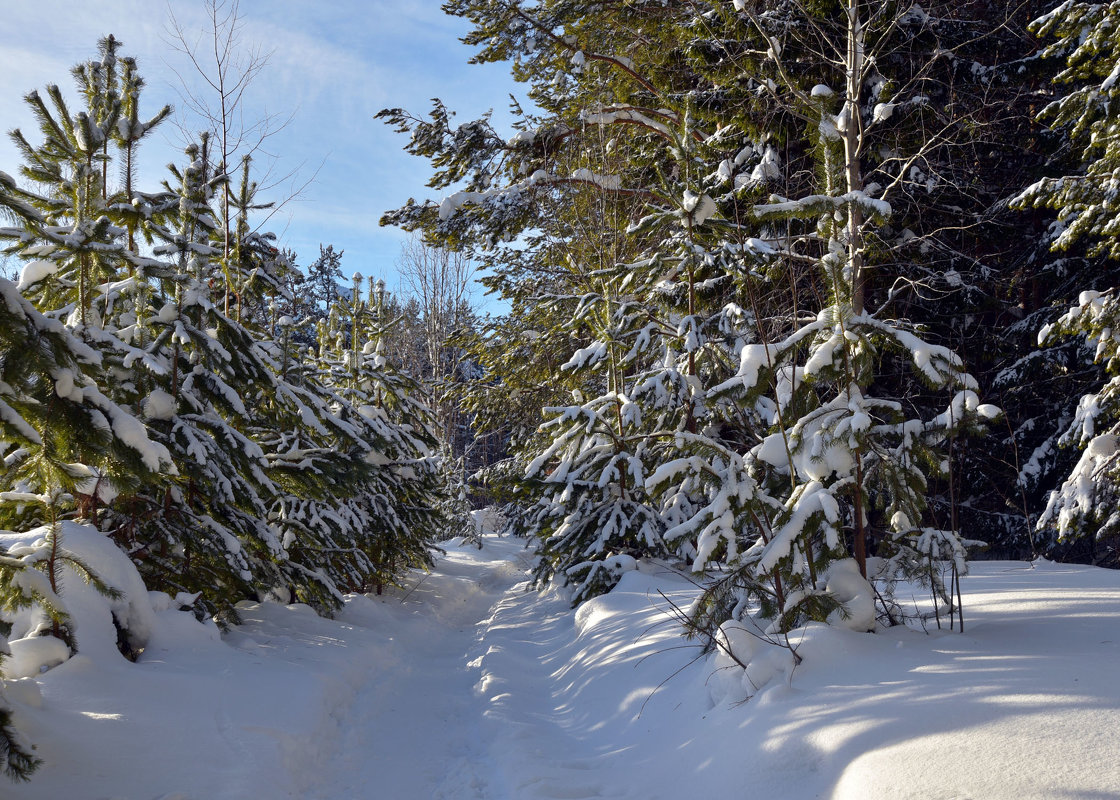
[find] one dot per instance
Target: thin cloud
(333, 67)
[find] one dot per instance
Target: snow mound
(159, 405)
(32, 655)
(92, 614)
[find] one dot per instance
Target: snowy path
(498, 694)
(415, 730)
(486, 692)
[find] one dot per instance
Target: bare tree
(227, 66)
(440, 281)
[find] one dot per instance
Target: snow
(858, 596)
(882, 112)
(463, 686)
(168, 313)
(610, 183)
(35, 271)
(159, 405)
(130, 431)
(697, 208)
(32, 655)
(612, 115)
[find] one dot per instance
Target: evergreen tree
(1084, 507)
(250, 472)
(67, 449)
(677, 136)
(400, 506)
(324, 276)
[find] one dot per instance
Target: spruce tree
(249, 471)
(1085, 39)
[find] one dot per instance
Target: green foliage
(1085, 199)
(162, 396)
(711, 188)
(1088, 38)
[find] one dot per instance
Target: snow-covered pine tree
(262, 273)
(1086, 40)
(204, 505)
(69, 446)
(206, 531)
(78, 235)
(247, 441)
(78, 231)
(67, 449)
(845, 454)
(604, 314)
(399, 502)
(17, 757)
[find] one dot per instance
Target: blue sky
(334, 64)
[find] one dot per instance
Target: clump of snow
(33, 655)
(159, 405)
(92, 613)
(1103, 446)
(855, 595)
(988, 411)
(90, 481)
(747, 660)
(24, 691)
(614, 114)
(35, 271)
(610, 183)
(489, 519)
(697, 207)
(168, 313)
(882, 112)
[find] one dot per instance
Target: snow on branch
(817, 204)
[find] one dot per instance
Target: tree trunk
(853, 136)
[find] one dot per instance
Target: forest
(810, 299)
(792, 282)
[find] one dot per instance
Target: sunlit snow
(464, 685)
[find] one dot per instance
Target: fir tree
(324, 276)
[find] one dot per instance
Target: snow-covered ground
(466, 686)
